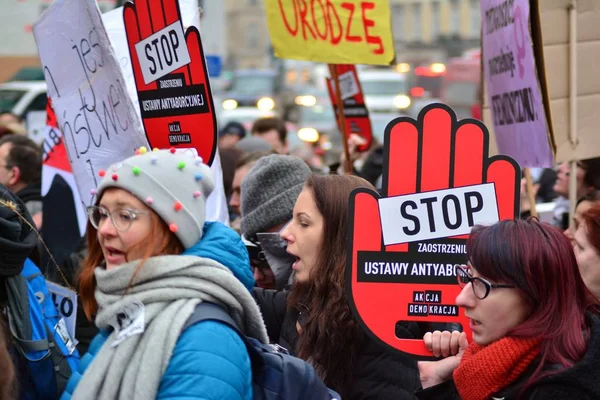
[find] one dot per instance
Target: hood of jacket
(225, 246)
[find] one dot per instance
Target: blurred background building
(428, 31)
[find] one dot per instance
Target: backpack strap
(210, 312)
(207, 311)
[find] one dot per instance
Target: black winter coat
(380, 374)
(579, 382)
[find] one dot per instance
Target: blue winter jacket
(209, 361)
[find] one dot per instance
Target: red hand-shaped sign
(171, 78)
(404, 246)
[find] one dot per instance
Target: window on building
(417, 31)
(398, 22)
(252, 35)
(454, 17)
(435, 20)
(475, 19)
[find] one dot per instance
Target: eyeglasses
(481, 287)
(121, 218)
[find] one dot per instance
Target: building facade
(248, 43)
(433, 30)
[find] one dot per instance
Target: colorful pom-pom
(101, 173)
(143, 150)
(198, 177)
(197, 194)
(172, 150)
(177, 206)
(153, 159)
(93, 192)
(173, 228)
(155, 149)
(115, 177)
(136, 171)
(137, 152)
(149, 200)
(181, 165)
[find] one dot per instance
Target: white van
(386, 91)
(27, 99)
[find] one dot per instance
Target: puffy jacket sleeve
(84, 363)
(209, 362)
(273, 306)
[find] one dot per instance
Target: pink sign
(514, 92)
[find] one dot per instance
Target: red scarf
(484, 370)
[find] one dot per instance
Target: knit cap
(269, 192)
(18, 235)
(233, 128)
(173, 183)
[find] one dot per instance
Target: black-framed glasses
(481, 287)
(121, 218)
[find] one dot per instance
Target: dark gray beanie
(269, 192)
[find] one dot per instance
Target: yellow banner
(332, 31)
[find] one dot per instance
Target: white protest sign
(65, 301)
(87, 88)
(437, 214)
(348, 85)
(162, 52)
(216, 204)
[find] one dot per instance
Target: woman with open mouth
(152, 259)
(536, 333)
(347, 359)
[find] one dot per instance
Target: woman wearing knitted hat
(535, 333)
(329, 337)
(152, 258)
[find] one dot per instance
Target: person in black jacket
(329, 337)
(536, 334)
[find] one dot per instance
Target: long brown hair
(330, 337)
(165, 242)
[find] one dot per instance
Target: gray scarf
(169, 287)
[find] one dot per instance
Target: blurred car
(244, 115)
(21, 97)
(461, 87)
(261, 89)
(385, 91)
(315, 114)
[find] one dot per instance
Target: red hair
(538, 260)
(164, 242)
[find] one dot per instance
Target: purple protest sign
(515, 95)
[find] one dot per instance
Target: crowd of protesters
(529, 289)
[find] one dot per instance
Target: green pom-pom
(136, 171)
(181, 165)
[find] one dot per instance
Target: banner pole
(572, 8)
(530, 194)
(341, 119)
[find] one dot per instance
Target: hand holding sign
(171, 77)
(437, 183)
